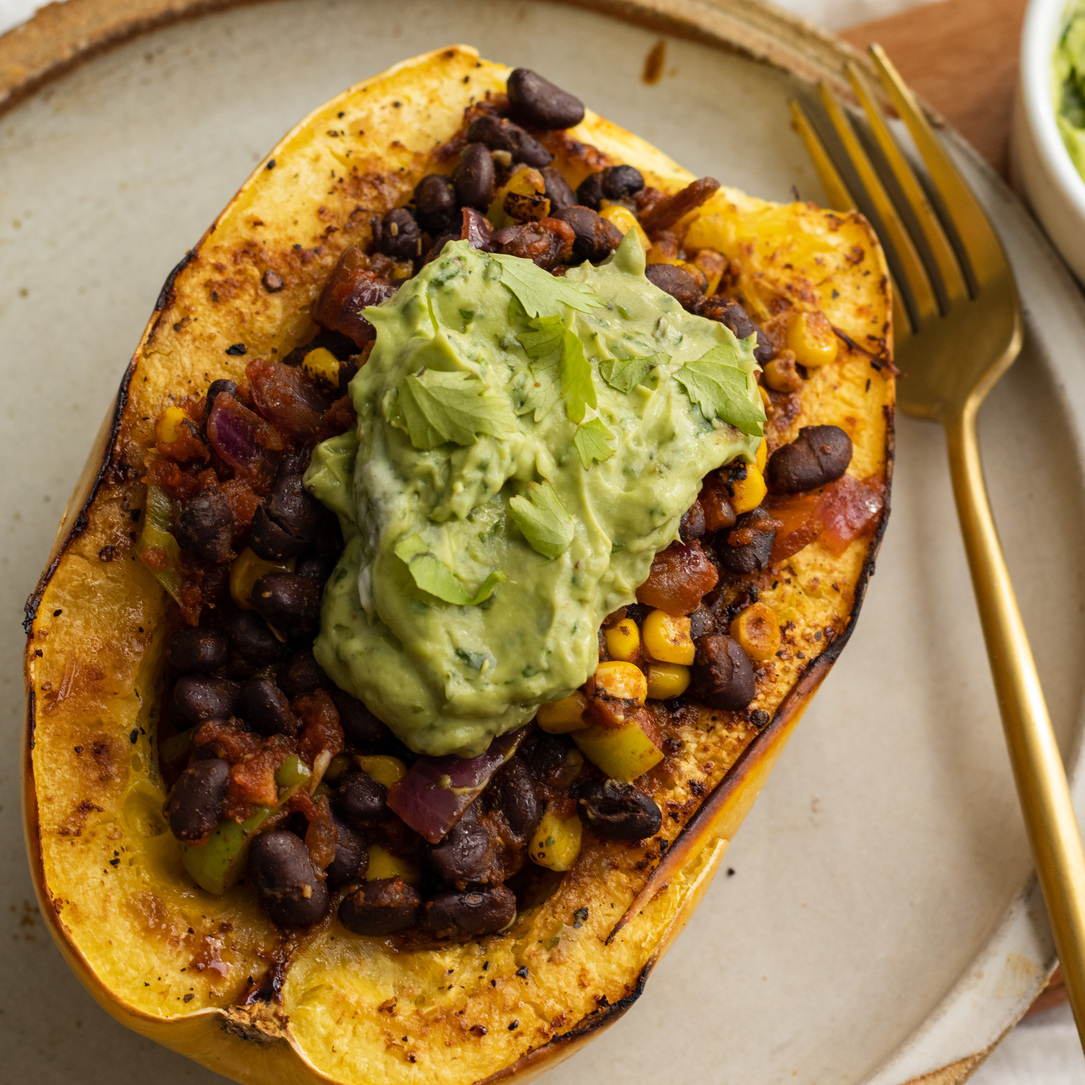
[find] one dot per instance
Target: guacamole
(525, 445)
(1068, 72)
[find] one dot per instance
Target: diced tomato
(321, 729)
(286, 397)
(848, 508)
(680, 578)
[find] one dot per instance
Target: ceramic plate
(877, 920)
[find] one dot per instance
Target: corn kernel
(383, 864)
(561, 717)
(625, 220)
(667, 680)
(765, 401)
(384, 769)
(623, 640)
(667, 638)
(623, 753)
(750, 491)
(556, 843)
(762, 455)
(811, 337)
(713, 265)
(757, 631)
(781, 375)
(246, 570)
(322, 365)
(168, 426)
(621, 681)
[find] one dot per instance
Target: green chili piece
(156, 536)
(220, 862)
(292, 773)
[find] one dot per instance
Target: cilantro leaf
(577, 386)
(542, 394)
(543, 343)
(624, 374)
(434, 407)
(538, 291)
(436, 578)
(593, 441)
(721, 390)
(544, 523)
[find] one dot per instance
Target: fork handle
(1037, 766)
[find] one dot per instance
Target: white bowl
(1042, 169)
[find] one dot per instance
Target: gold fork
(957, 330)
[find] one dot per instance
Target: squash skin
(91, 790)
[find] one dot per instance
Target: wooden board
(967, 70)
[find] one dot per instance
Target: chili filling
(278, 776)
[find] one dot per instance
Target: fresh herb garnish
(624, 374)
(577, 387)
(545, 524)
(434, 407)
(548, 343)
(594, 442)
(541, 293)
(436, 578)
(720, 390)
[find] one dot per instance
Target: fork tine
(978, 239)
(841, 199)
(911, 265)
(941, 250)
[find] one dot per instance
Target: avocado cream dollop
(525, 445)
(1068, 77)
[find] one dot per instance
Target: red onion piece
(286, 397)
(436, 791)
(350, 287)
(241, 438)
(477, 230)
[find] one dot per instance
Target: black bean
(351, 857)
(676, 281)
(501, 135)
(359, 799)
(467, 852)
(536, 101)
(265, 708)
(287, 886)
(596, 237)
(435, 201)
(382, 906)
(472, 912)
(316, 568)
(287, 602)
(269, 540)
(360, 726)
(589, 193)
(621, 182)
(195, 801)
(692, 525)
(545, 244)
(748, 545)
(701, 621)
(198, 699)
(197, 651)
(618, 810)
(217, 388)
(733, 316)
(253, 639)
(398, 235)
(513, 792)
(302, 674)
(473, 176)
(723, 673)
(558, 191)
(287, 521)
(819, 455)
(205, 526)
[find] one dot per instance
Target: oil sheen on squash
(525, 445)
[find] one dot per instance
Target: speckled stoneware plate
(878, 922)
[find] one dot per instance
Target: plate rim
(60, 37)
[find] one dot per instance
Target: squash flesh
(141, 936)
